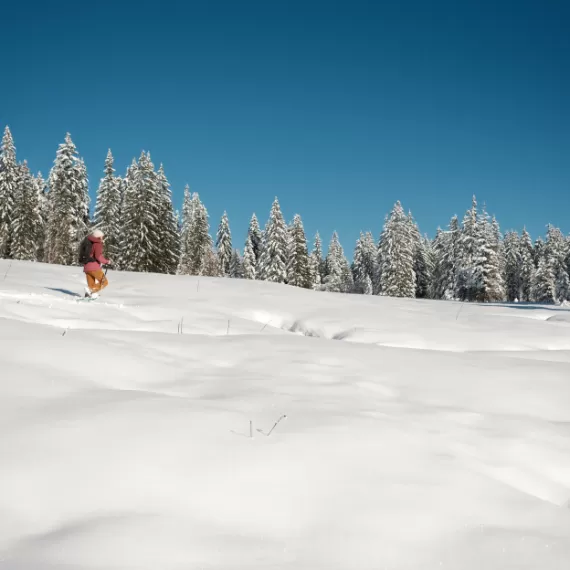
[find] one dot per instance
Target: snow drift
(418, 434)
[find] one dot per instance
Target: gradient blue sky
(338, 108)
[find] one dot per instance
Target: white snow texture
(419, 434)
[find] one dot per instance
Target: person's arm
(98, 254)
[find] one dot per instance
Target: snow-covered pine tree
(422, 267)
(539, 250)
(167, 227)
(108, 207)
(466, 286)
(224, 244)
(556, 252)
(41, 189)
(346, 277)
(498, 239)
(185, 226)
(68, 205)
(377, 278)
(430, 261)
(333, 265)
(249, 260)
(398, 278)
(26, 220)
(513, 266)
(544, 282)
(358, 268)
(316, 263)
(369, 255)
(236, 265)
(527, 266)
(201, 259)
(338, 274)
(441, 284)
(447, 257)
(561, 284)
(273, 260)
(487, 281)
(9, 176)
(140, 236)
(256, 236)
(364, 260)
(366, 286)
(211, 266)
(298, 270)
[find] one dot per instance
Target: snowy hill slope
(418, 434)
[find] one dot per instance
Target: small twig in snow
(263, 328)
(250, 429)
(64, 332)
(458, 312)
(228, 331)
(274, 426)
(7, 271)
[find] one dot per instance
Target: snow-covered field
(419, 435)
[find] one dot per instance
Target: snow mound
(435, 435)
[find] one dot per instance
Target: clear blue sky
(338, 108)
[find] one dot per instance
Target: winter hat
(97, 234)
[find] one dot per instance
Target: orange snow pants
(96, 280)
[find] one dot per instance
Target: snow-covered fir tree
(316, 263)
(27, 220)
(346, 277)
(108, 208)
(211, 266)
(539, 250)
(41, 189)
(236, 265)
(544, 282)
(487, 281)
(167, 226)
(9, 175)
(338, 274)
(298, 270)
(198, 248)
(272, 264)
(255, 235)
(422, 266)
(249, 260)
(528, 267)
(364, 260)
(561, 284)
(185, 225)
(68, 205)
(398, 278)
(443, 287)
(466, 286)
(358, 267)
(556, 252)
(224, 244)
(513, 266)
(498, 239)
(140, 236)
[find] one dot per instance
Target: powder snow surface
(419, 434)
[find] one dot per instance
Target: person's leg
(90, 281)
(104, 281)
(101, 281)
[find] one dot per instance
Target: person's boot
(87, 292)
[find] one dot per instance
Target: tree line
(45, 220)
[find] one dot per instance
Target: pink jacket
(96, 253)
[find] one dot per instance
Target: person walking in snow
(92, 258)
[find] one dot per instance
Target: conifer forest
(470, 259)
